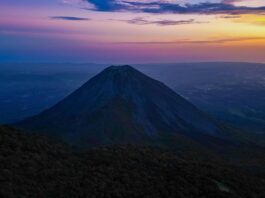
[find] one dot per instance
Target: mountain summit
(122, 105)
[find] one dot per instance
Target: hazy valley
(232, 92)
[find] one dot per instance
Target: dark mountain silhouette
(34, 166)
(122, 105)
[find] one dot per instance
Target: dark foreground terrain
(33, 166)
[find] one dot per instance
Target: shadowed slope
(122, 105)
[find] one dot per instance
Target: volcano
(122, 105)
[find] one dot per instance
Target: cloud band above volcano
(162, 6)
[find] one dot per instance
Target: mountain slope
(34, 166)
(122, 105)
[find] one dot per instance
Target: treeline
(32, 166)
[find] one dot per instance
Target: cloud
(79, 3)
(162, 6)
(188, 41)
(69, 18)
(164, 22)
(231, 1)
(107, 5)
(231, 16)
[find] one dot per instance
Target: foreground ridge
(33, 166)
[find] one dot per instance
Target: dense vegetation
(32, 166)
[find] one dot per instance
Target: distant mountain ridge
(122, 105)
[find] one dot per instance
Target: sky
(132, 31)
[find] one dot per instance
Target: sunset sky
(132, 31)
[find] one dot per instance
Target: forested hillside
(33, 166)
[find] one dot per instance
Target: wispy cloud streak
(69, 18)
(162, 22)
(188, 41)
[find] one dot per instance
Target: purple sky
(132, 31)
